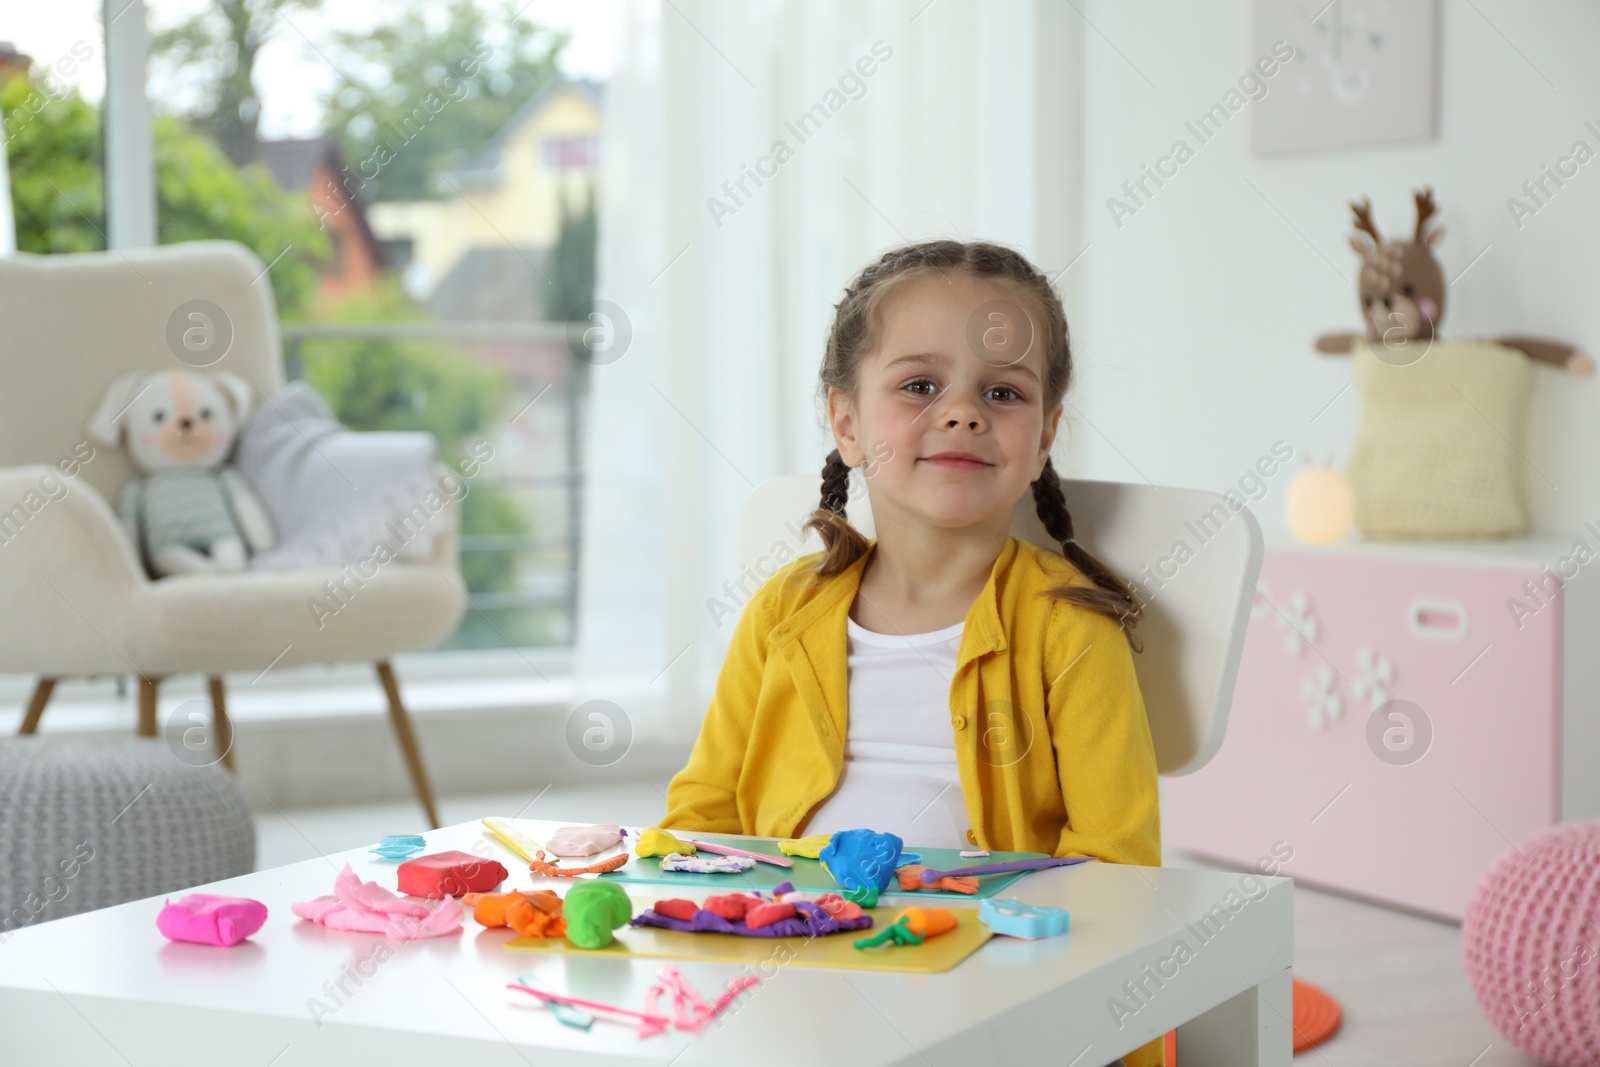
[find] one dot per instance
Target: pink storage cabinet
(1395, 726)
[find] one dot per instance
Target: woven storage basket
(1436, 452)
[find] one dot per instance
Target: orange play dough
(910, 879)
(535, 913)
(540, 865)
(929, 922)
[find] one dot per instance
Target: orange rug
(1316, 1018)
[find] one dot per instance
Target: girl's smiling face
(949, 414)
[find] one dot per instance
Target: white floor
(1399, 977)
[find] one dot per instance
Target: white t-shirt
(900, 771)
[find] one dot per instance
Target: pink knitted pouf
(1531, 938)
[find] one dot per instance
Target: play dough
(449, 874)
(707, 864)
(732, 907)
(657, 842)
(910, 879)
(735, 907)
(838, 907)
(807, 846)
(767, 914)
(208, 919)
(912, 927)
(862, 862)
(1019, 919)
(928, 922)
(593, 909)
(400, 846)
(540, 865)
(369, 907)
(677, 909)
(579, 841)
(760, 915)
(535, 913)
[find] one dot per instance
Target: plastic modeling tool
(649, 1023)
(521, 844)
(728, 850)
(931, 876)
(565, 1014)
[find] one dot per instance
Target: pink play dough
(370, 908)
(208, 919)
(578, 841)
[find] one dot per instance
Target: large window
(425, 252)
(52, 82)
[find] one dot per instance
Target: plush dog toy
(188, 513)
(1402, 290)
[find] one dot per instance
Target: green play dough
(593, 909)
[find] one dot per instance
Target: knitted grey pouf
(86, 823)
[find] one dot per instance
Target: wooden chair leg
(148, 688)
(222, 729)
(36, 703)
(408, 740)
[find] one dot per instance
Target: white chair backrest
(1193, 559)
(70, 324)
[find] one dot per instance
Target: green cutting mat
(809, 875)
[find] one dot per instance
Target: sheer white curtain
(8, 222)
(966, 126)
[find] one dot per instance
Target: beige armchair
(77, 600)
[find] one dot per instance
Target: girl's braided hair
(853, 335)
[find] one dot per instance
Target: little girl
(945, 681)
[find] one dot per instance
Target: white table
(106, 988)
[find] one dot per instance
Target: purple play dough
(812, 921)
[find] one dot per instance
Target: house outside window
(570, 153)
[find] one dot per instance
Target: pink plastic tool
(729, 850)
(650, 1024)
(689, 1010)
(931, 876)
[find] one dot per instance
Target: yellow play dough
(657, 842)
(808, 847)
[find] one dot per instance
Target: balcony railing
(547, 588)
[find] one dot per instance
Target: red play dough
(767, 914)
(732, 907)
(838, 907)
(449, 874)
(677, 909)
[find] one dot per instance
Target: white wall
(1193, 320)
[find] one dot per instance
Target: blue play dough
(860, 858)
(399, 846)
(1020, 919)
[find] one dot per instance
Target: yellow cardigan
(1051, 739)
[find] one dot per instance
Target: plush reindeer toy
(1402, 291)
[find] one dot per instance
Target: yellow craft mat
(933, 956)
